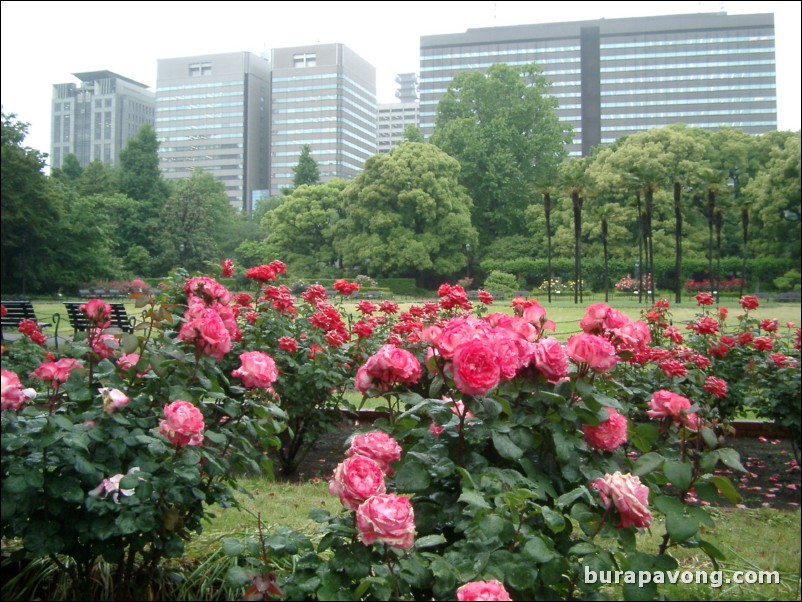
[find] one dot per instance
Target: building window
(304, 60)
(200, 69)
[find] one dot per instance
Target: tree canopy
(407, 215)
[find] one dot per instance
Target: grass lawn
(753, 540)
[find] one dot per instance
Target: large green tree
(502, 128)
(407, 215)
(302, 230)
(28, 211)
(195, 222)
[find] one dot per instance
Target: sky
(44, 43)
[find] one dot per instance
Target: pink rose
(476, 367)
(388, 366)
(204, 327)
(258, 370)
(113, 399)
(13, 395)
(593, 320)
(182, 424)
(356, 479)
(609, 434)
(716, 386)
(387, 518)
(666, 404)
(629, 496)
(97, 312)
(56, 372)
(596, 352)
(483, 590)
(378, 446)
(550, 359)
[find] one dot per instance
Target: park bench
(119, 317)
(789, 297)
(16, 312)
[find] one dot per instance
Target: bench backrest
(16, 312)
(119, 317)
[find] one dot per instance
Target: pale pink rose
(550, 359)
(378, 446)
(667, 404)
(356, 479)
(101, 346)
(56, 372)
(390, 365)
(476, 367)
(483, 590)
(593, 320)
(258, 370)
(127, 361)
(387, 518)
(206, 290)
(182, 424)
(629, 496)
(615, 319)
(609, 434)
(596, 352)
(516, 324)
(13, 394)
(632, 335)
(112, 486)
(535, 314)
(113, 399)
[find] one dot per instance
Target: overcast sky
(44, 43)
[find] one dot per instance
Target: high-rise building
(213, 113)
(323, 95)
(407, 87)
(95, 119)
(620, 76)
(393, 119)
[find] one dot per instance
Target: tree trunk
(745, 233)
(547, 210)
(577, 201)
(678, 242)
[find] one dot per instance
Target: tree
(302, 230)
(97, 178)
(139, 178)
(70, 170)
(29, 213)
(195, 222)
(407, 215)
(576, 182)
(306, 172)
(412, 133)
(502, 128)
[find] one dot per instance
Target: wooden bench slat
(16, 312)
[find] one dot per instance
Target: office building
(323, 95)
(395, 117)
(94, 119)
(213, 114)
(620, 76)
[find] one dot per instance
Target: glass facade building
(213, 113)
(95, 119)
(613, 77)
(323, 95)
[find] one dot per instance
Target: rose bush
(521, 469)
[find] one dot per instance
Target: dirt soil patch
(772, 481)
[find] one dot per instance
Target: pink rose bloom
(629, 496)
(666, 404)
(56, 372)
(113, 399)
(550, 359)
(97, 312)
(128, 361)
(593, 320)
(206, 290)
(112, 486)
(596, 352)
(535, 314)
(483, 590)
(356, 479)
(13, 395)
(457, 332)
(388, 366)
(476, 367)
(609, 434)
(258, 370)
(387, 518)
(182, 424)
(378, 446)
(228, 268)
(204, 327)
(704, 299)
